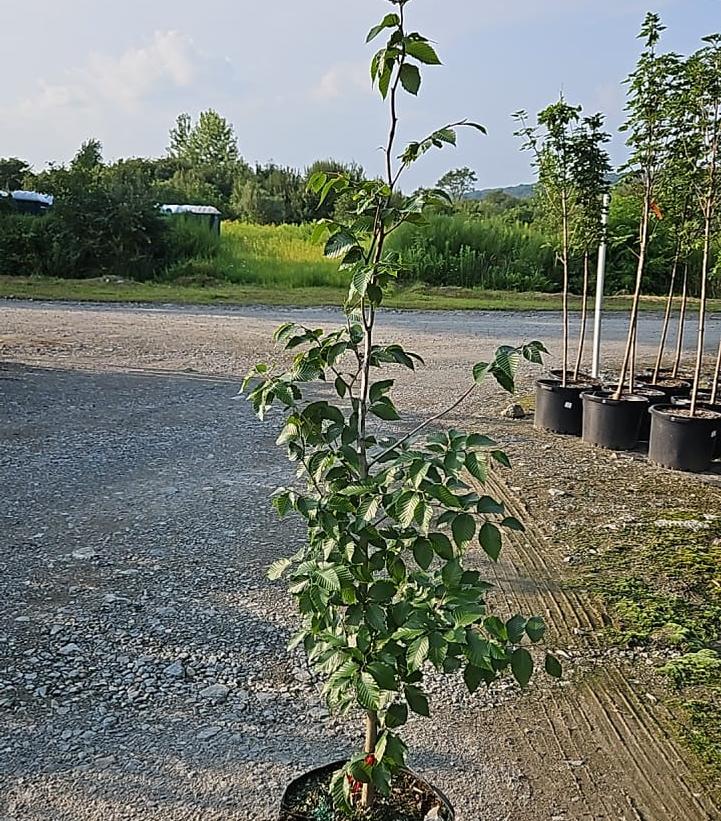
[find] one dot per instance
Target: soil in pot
(585, 378)
(559, 409)
(683, 442)
(671, 387)
(411, 799)
(613, 423)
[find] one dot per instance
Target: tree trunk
(681, 323)
(584, 319)
(368, 794)
(667, 315)
(716, 376)
(564, 203)
(637, 292)
(702, 309)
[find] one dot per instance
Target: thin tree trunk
(667, 315)
(637, 292)
(681, 323)
(702, 311)
(368, 793)
(716, 376)
(564, 201)
(584, 319)
(634, 358)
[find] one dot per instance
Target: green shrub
(702, 667)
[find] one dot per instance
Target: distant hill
(524, 191)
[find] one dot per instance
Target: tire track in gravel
(624, 760)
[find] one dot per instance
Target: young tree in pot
(381, 581)
(553, 143)
(592, 166)
(613, 419)
(686, 439)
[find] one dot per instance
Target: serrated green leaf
(367, 691)
(278, 568)
(328, 579)
(376, 617)
(382, 591)
(522, 665)
(417, 652)
(535, 628)
(476, 466)
(491, 540)
(423, 553)
(389, 21)
(452, 573)
(417, 700)
(422, 51)
(410, 78)
(553, 666)
(442, 545)
(384, 675)
(513, 524)
(463, 527)
(396, 716)
(488, 505)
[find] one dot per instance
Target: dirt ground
(143, 670)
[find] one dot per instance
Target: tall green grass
(488, 253)
(276, 255)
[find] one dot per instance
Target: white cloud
(340, 80)
(169, 61)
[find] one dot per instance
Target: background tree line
(105, 219)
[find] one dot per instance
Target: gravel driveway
(143, 669)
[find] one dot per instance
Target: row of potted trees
(674, 135)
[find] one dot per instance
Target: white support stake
(600, 284)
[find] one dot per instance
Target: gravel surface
(143, 669)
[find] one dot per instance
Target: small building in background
(31, 202)
(208, 213)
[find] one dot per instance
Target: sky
(292, 75)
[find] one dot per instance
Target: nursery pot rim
(671, 412)
(337, 765)
(550, 383)
(604, 397)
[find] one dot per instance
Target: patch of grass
(660, 580)
(702, 733)
(701, 667)
(197, 283)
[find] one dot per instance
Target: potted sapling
(686, 438)
(554, 143)
(612, 418)
(381, 581)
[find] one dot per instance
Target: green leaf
(379, 389)
(384, 410)
(361, 279)
(396, 716)
(472, 677)
(278, 568)
(522, 666)
(417, 652)
(389, 21)
(328, 579)
(340, 387)
(407, 505)
(491, 540)
(463, 527)
(384, 675)
(481, 371)
(442, 545)
(410, 78)
(488, 505)
(501, 458)
(417, 701)
(452, 573)
(553, 666)
(535, 628)
(423, 553)
(367, 691)
(339, 244)
(464, 616)
(476, 466)
(376, 618)
(513, 524)
(516, 628)
(422, 51)
(382, 591)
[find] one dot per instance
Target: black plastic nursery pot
(685, 402)
(612, 423)
(682, 442)
(304, 796)
(559, 409)
(669, 386)
(655, 397)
